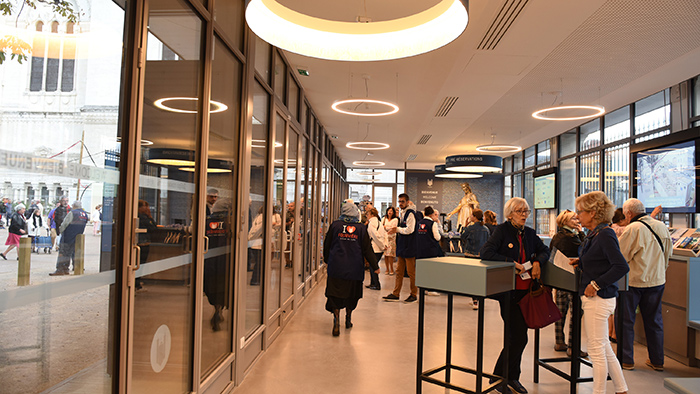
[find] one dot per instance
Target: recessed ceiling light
(218, 107)
(351, 41)
(596, 111)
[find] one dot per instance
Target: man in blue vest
(72, 225)
(405, 248)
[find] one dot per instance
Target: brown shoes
(560, 347)
(655, 367)
(628, 367)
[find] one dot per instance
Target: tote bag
(538, 308)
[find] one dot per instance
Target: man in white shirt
(646, 244)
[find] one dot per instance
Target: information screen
(666, 177)
(545, 196)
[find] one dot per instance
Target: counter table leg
(448, 350)
(421, 320)
(480, 346)
(536, 366)
(506, 342)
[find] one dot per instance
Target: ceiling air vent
(500, 25)
(411, 158)
(446, 106)
(424, 139)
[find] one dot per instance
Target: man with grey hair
(646, 245)
(72, 225)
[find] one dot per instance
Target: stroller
(40, 242)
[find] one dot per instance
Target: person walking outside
(73, 224)
(16, 229)
(345, 248)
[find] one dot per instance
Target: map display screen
(545, 192)
(666, 177)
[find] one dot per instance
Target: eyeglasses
(402, 201)
(522, 211)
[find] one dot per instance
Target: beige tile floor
(378, 355)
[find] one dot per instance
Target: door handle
(206, 244)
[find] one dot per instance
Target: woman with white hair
(514, 242)
(602, 265)
(18, 228)
(345, 248)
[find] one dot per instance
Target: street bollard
(79, 259)
(25, 261)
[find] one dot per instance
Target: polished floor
(378, 355)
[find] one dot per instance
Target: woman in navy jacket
(512, 241)
(602, 265)
(345, 248)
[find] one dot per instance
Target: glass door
(384, 198)
(166, 220)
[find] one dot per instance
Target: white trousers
(595, 320)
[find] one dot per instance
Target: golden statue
(465, 207)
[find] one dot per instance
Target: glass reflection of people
(465, 207)
(212, 196)
(289, 228)
(144, 239)
(17, 228)
(218, 230)
(345, 247)
(255, 235)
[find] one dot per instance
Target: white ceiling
(599, 52)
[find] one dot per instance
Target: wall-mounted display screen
(545, 188)
(666, 176)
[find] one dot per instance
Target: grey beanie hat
(349, 209)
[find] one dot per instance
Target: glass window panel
(617, 185)
(507, 187)
(262, 58)
(529, 195)
(589, 176)
(652, 136)
(256, 210)
(518, 185)
(167, 205)
(278, 194)
(290, 222)
(301, 236)
(399, 190)
(217, 314)
(590, 135)
(61, 341)
(617, 125)
(530, 157)
(280, 77)
(359, 175)
(309, 218)
(518, 161)
(567, 184)
(543, 152)
(228, 16)
(543, 225)
(652, 112)
(303, 115)
(293, 105)
(359, 190)
(567, 143)
(508, 165)
(696, 96)
(386, 176)
(400, 176)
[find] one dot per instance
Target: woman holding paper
(567, 241)
(513, 241)
(602, 265)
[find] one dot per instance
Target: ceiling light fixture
(218, 107)
(369, 173)
(336, 107)
(367, 145)
(209, 170)
(263, 144)
(170, 157)
(474, 163)
(368, 163)
(442, 172)
(596, 111)
(351, 41)
(500, 148)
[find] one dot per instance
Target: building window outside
(530, 157)
(617, 125)
(590, 135)
(567, 143)
(529, 196)
(653, 112)
(517, 185)
(543, 152)
(53, 59)
(617, 160)
(589, 176)
(518, 161)
(507, 187)
(567, 184)
(695, 88)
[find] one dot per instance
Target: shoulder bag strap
(655, 235)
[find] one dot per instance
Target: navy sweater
(503, 245)
(345, 249)
(601, 260)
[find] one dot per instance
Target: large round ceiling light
(368, 163)
(351, 41)
(543, 114)
(501, 148)
(367, 145)
(160, 103)
(368, 104)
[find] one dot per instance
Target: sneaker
(655, 367)
(627, 366)
(3, 256)
(517, 387)
(391, 297)
(560, 347)
(410, 298)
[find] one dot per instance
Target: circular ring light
(351, 41)
(367, 145)
(263, 144)
(369, 173)
(442, 172)
(474, 163)
(393, 107)
(209, 170)
(597, 111)
(502, 148)
(368, 163)
(218, 107)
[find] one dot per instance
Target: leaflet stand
(463, 277)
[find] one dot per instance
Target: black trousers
(518, 335)
(373, 276)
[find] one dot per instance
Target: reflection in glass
(653, 112)
(277, 240)
(567, 184)
(529, 195)
(617, 173)
(567, 143)
(301, 236)
(290, 222)
(590, 135)
(517, 185)
(52, 130)
(589, 173)
(217, 311)
(256, 210)
(617, 125)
